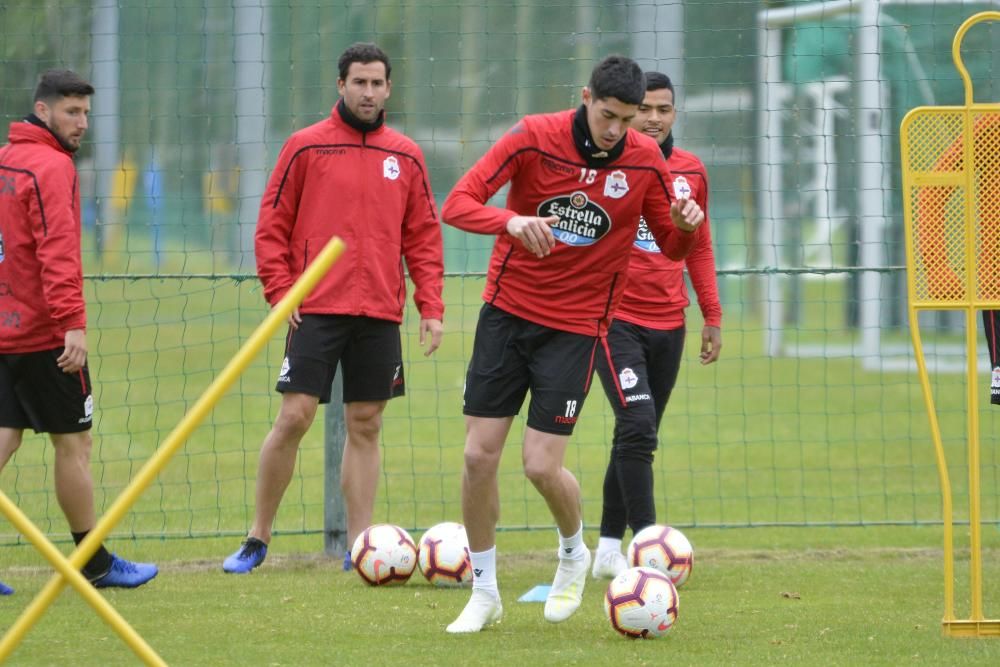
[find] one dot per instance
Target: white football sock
(572, 547)
(605, 544)
(484, 571)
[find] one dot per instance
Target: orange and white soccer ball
(665, 549)
(384, 554)
(641, 603)
(443, 555)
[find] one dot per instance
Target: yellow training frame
(951, 195)
(67, 569)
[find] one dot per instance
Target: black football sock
(99, 564)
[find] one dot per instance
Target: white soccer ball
(665, 549)
(384, 554)
(443, 555)
(641, 603)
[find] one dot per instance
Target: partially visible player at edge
(579, 180)
(44, 378)
(350, 176)
(644, 344)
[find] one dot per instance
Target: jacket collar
(588, 149)
(33, 130)
(341, 111)
(667, 147)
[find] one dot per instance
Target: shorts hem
(484, 413)
(64, 431)
(549, 430)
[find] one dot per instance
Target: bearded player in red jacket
(44, 378)
(351, 176)
(646, 339)
(579, 181)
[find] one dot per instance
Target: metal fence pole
(335, 431)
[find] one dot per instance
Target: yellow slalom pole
(79, 582)
(306, 282)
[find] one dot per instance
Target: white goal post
(873, 124)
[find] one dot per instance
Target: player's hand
(74, 354)
(711, 344)
(294, 319)
(534, 232)
(431, 331)
(686, 214)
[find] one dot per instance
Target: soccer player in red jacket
(579, 180)
(44, 378)
(349, 176)
(644, 344)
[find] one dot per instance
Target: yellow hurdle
(68, 568)
(951, 195)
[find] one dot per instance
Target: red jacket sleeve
(57, 243)
(466, 207)
(422, 246)
(278, 209)
(673, 242)
(701, 265)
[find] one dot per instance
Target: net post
(334, 434)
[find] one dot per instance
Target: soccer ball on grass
(443, 555)
(641, 603)
(384, 554)
(665, 549)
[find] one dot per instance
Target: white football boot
(608, 564)
(566, 593)
(482, 609)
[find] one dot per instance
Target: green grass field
(846, 596)
(750, 444)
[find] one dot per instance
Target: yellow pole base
(970, 628)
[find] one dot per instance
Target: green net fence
(807, 419)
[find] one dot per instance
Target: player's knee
(7, 449)
(364, 420)
(293, 422)
(480, 462)
(540, 473)
(73, 445)
(638, 446)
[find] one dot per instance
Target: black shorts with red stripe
(511, 355)
(991, 321)
(36, 394)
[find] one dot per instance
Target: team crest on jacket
(682, 189)
(644, 239)
(581, 221)
(615, 184)
(390, 168)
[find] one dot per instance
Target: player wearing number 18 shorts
(579, 181)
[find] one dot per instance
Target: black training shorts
(36, 394)
(511, 355)
(369, 352)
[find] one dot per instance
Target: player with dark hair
(644, 344)
(349, 176)
(579, 180)
(44, 378)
